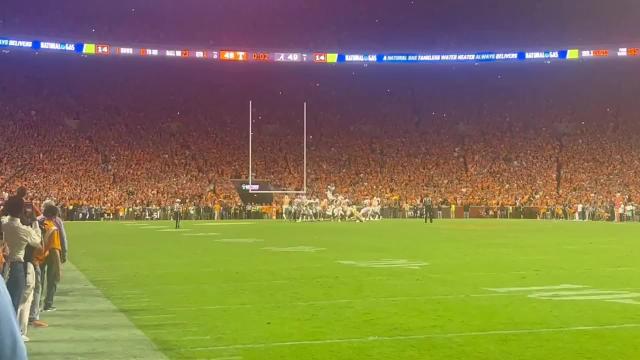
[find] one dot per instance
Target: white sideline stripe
(223, 224)
(414, 337)
(534, 288)
(328, 302)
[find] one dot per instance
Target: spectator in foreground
(56, 256)
(40, 258)
(11, 345)
(27, 295)
(17, 237)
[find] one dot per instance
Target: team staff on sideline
(17, 236)
(428, 209)
(11, 344)
(53, 227)
(177, 213)
(54, 254)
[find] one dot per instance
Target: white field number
(386, 263)
(567, 292)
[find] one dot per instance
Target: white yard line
(535, 288)
(414, 337)
(347, 301)
(340, 301)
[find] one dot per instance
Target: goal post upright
(304, 155)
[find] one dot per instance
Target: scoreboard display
(260, 56)
(520, 55)
(287, 57)
(228, 55)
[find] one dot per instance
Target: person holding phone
(17, 236)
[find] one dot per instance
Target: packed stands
(114, 136)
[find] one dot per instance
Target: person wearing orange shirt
(52, 268)
(216, 210)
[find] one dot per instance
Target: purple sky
(330, 24)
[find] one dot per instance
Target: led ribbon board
(90, 49)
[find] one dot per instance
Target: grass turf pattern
(394, 289)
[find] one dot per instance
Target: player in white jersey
(365, 213)
(353, 214)
(374, 214)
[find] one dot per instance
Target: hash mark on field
(414, 337)
(294, 249)
(534, 288)
(386, 263)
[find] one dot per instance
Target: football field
(393, 289)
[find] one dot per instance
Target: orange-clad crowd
(140, 142)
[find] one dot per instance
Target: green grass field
(477, 289)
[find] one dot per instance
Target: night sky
(372, 25)
(384, 25)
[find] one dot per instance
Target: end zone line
(414, 337)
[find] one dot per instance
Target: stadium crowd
(106, 149)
